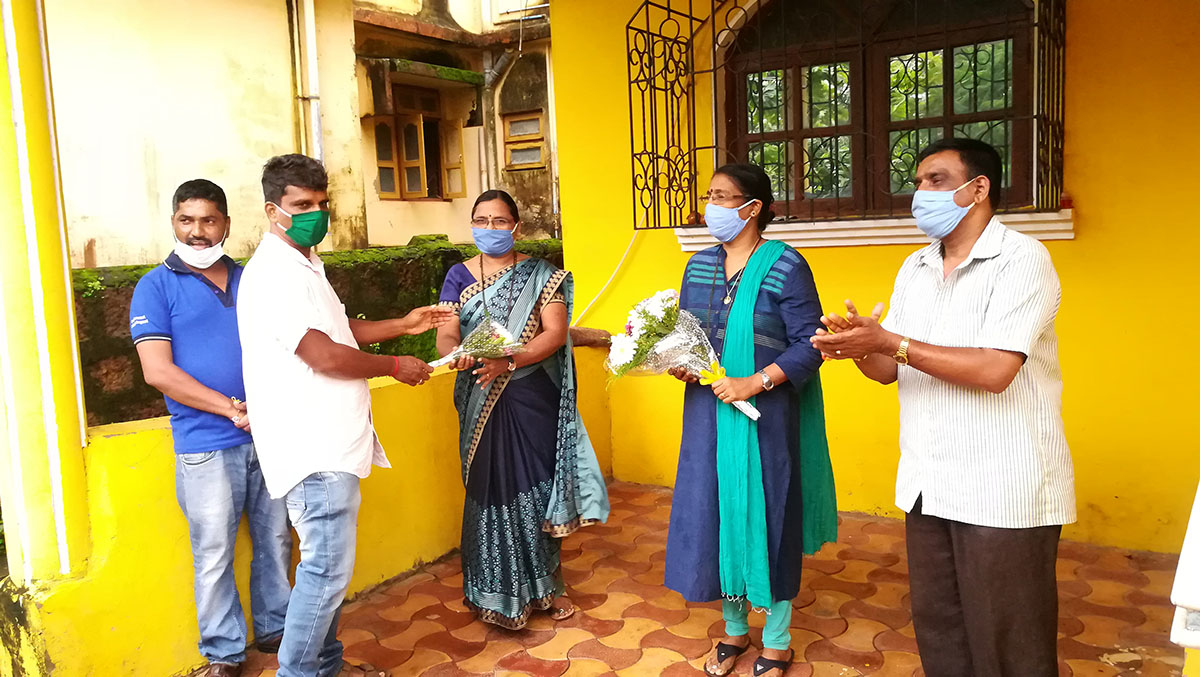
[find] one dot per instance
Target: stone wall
(376, 283)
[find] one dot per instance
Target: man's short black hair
(293, 169)
(200, 189)
(980, 159)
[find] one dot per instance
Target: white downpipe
(40, 329)
(312, 90)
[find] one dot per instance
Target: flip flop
(724, 653)
(764, 665)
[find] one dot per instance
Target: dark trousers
(984, 600)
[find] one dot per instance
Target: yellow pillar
(42, 487)
(1191, 667)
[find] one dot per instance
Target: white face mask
(200, 258)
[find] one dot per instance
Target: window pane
(412, 179)
(827, 162)
(525, 127)
(904, 148)
(827, 95)
(997, 133)
(916, 81)
(383, 142)
(433, 159)
(454, 181)
(983, 77)
(767, 102)
(412, 142)
(775, 157)
(406, 99)
(387, 180)
(452, 141)
(526, 156)
(429, 102)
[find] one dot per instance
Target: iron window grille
(834, 98)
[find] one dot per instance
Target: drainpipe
(491, 77)
(305, 74)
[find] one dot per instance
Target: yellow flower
(714, 373)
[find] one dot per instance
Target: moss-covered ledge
(374, 283)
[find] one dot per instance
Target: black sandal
(724, 653)
(764, 665)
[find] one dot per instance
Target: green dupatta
(744, 555)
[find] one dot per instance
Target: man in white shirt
(306, 384)
(985, 474)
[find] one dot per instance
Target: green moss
(435, 71)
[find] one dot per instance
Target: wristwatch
(512, 364)
(901, 355)
(766, 380)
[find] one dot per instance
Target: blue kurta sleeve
(801, 310)
(458, 278)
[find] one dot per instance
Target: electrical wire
(616, 270)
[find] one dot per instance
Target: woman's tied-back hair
(754, 183)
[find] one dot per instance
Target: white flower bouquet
(659, 336)
(490, 339)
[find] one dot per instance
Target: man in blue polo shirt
(183, 320)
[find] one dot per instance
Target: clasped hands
(853, 336)
(729, 389)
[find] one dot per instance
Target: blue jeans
(213, 489)
(324, 509)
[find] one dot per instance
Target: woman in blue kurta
(750, 497)
(530, 472)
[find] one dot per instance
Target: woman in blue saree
(530, 472)
(750, 497)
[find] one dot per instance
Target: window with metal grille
(835, 98)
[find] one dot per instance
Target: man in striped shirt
(985, 474)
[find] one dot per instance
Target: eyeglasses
(718, 197)
(495, 222)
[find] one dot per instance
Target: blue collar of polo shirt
(177, 266)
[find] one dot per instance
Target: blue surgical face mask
(493, 242)
(724, 223)
(936, 212)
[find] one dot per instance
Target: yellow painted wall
(1191, 667)
(132, 612)
(149, 95)
(1127, 411)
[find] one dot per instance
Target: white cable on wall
(616, 270)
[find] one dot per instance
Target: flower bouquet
(659, 336)
(490, 339)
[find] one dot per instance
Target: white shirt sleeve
(1023, 303)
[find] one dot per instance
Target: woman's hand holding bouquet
(661, 338)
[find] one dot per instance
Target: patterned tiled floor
(852, 617)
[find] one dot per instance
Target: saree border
(532, 324)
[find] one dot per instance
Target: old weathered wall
(525, 89)
(138, 113)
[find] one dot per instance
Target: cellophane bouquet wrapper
(660, 336)
(490, 339)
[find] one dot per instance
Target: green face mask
(307, 229)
